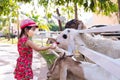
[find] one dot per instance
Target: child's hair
(23, 31)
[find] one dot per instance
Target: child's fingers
(54, 45)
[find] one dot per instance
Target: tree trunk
(119, 11)
(8, 36)
(75, 7)
(18, 25)
(59, 22)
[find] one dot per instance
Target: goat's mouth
(48, 75)
(57, 43)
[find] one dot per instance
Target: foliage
(24, 1)
(40, 21)
(44, 27)
(44, 2)
(48, 57)
(0, 28)
(98, 6)
(10, 7)
(66, 7)
(4, 20)
(54, 27)
(105, 7)
(5, 31)
(7, 7)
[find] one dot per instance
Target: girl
(23, 70)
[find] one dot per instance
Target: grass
(48, 57)
(6, 41)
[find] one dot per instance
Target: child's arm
(35, 47)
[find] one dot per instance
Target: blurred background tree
(70, 7)
(66, 9)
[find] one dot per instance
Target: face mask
(30, 33)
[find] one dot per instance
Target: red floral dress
(23, 70)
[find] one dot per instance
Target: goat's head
(51, 40)
(66, 39)
(60, 63)
(54, 70)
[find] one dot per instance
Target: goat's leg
(63, 73)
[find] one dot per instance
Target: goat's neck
(87, 39)
(63, 71)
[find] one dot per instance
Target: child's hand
(53, 46)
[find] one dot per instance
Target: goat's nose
(48, 75)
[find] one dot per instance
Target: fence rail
(105, 62)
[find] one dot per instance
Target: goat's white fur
(106, 46)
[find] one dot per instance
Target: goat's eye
(64, 36)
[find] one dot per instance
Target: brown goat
(65, 68)
(75, 24)
(60, 70)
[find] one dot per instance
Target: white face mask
(30, 33)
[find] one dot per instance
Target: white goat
(72, 39)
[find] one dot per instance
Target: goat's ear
(70, 56)
(63, 56)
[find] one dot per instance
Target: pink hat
(27, 22)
